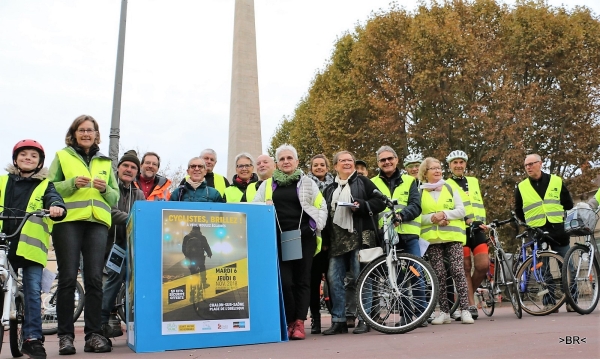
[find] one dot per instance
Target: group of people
(88, 206)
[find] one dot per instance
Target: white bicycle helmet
(416, 158)
(457, 154)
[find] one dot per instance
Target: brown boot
(350, 322)
(298, 331)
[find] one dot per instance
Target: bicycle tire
(511, 285)
(541, 298)
(455, 303)
(49, 317)
(1, 326)
(200, 305)
(327, 297)
(381, 308)
(486, 297)
(581, 289)
(16, 327)
(120, 303)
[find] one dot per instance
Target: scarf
(321, 184)
(343, 215)
(433, 186)
(194, 185)
(243, 184)
(285, 180)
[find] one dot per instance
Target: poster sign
(204, 272)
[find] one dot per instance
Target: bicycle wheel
(200, 305)
(1, 326)
(399, 301)
(540, 288)
(49, 317)
(120, 303)
(16, 327)
(508, 279)
(326, 297)
(485, 295)
(452, 293)
(580, 279)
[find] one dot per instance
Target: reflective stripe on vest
(317, 204)
(465, 198)
(34, 238)
(454, 231)
(401, 193)
(220, 184)
(234, 194)
(537, 210)
(86, 202)
(476, 199)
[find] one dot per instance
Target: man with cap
(361, 168)
(127, 171)
(472, 198)
(411, 165)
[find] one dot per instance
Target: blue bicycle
(539, 274)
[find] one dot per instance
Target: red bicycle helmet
(24, 144)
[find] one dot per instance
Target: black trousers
(319, 266)
(71, 239)
(295, 281)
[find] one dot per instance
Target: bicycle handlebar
(389, 203)
(41, 213)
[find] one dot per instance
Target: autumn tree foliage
(493, 80)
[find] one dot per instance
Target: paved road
(502, 336)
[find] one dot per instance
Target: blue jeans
(111, 290)
(32, 288)
(411, 246)
(335, 275)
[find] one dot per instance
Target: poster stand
(229, 294)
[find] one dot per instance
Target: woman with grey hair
(242, 187)
(299, 207)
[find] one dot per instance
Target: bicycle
(49, 317)
(11, 293)
(501, 277)
(397, 291)
(539, 274)
(580, 274)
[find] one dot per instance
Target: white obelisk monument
(244, 113)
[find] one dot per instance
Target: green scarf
(285, 180)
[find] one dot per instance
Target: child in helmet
(26, 189)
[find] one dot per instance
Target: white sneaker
(443, 318)
(456, 315)
(466, 318)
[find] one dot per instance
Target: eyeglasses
(346, 160)
(434, 169)
(414, 165)
(384, 160)
(200, 167)
(531, 163)
(288, 158)
(83, 131)
(148, 163)
(244, 166)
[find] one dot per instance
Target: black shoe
(115, 324)
(336, 328)
(315, 326)
(65, 345)
(97, 344)
(361, 328)
(350, 322)
(34, 348)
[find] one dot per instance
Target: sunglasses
(384, 160)
(197, 166)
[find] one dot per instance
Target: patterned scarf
(321, 184)
(285, 180)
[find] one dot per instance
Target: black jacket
(117, 232)
(18, 192)
(194, 245)
(361, 189)
(555, 230)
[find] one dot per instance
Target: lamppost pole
(115, 122)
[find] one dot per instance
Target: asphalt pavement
(562, 335)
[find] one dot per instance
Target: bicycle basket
(580, 221)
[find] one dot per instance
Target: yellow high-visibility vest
(454, 231)
(86, 202)
(316, 203)
(537, 210)
(34, 239)
(234, 194)
(220, 184)
(401, 194)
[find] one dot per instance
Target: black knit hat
(130, 156)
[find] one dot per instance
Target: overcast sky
(57, 61)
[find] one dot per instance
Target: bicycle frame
(590, 242)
